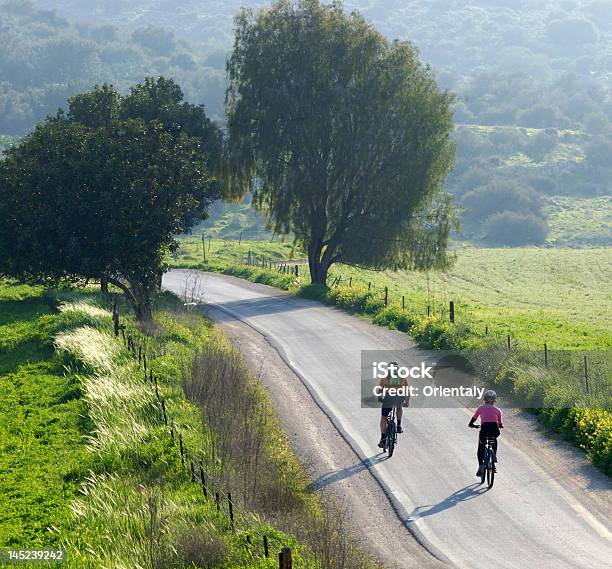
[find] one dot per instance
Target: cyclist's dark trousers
(487, 430)
(390, 402)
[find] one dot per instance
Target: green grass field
(42, 451)
(559, 296)
(577, 222)
(85, 462)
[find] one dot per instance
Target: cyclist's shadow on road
(468, 493)
(337, 475)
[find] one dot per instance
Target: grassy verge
(89, 464)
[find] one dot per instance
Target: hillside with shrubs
(532, 84)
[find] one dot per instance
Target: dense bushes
(499, 195)
(591, 429)
(559, 400)
(514, 229)
(504, 212)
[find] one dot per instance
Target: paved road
(527, 520)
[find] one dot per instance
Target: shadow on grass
(26, 309)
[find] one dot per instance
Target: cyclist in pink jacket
(490, 425)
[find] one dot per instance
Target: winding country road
(532, 518)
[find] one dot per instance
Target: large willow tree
(343, 137)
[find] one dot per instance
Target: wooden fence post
(545, 355)
(231, 510)
(386, 296)
(451, 311)
(163, 408)
(266, 547)
(192, 469)
(509, 346)
(428, 311)
(284, 559)
(297, 271)
(369, 285)
(203, 481)
(181, 449)
(403, 302)
(217, 501)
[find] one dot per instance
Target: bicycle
(390, 433)
(488, 470)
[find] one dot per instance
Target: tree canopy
(99, 192)
(343, 136)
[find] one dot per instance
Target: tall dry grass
(249, 442)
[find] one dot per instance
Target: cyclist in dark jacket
(392, 379)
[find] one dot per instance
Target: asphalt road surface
(530, 519)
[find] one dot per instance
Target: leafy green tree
(343, 136)
(515, 229)
(541, 145)
(98, 193)
(500, 194)
(157, 40)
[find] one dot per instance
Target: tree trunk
(318, 268)
(104, 285)
(140, 297)
(143, 305)
(320, 276)
(144, 311)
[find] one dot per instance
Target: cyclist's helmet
(395, 370)
(490, 395)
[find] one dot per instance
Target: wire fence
(587, 368)
(194, 466)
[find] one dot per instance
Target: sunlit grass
(560, 296)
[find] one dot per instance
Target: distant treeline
(533, 83)
(45, 59)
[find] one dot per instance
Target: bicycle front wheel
(391, 434)
(490, 472)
